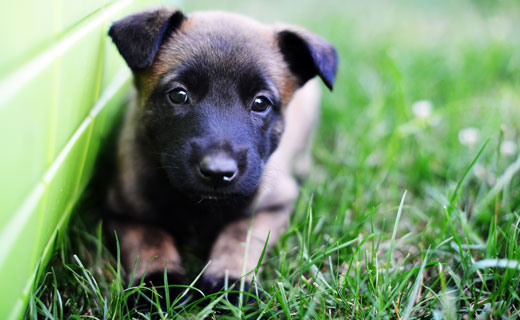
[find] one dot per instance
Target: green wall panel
(25, 129)
(73, 11)
(31, 25)
(62, 180)
(62, 87)
(23, 20)
(77, 90)
(19, 254)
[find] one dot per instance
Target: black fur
(148, 29)
(309, 56)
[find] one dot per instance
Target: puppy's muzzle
(218, 168)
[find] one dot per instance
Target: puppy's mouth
(210, 194)
(213, 196)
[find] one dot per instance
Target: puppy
(224, 109)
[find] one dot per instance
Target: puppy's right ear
(138, 36)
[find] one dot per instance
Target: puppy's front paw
(213, 284)
(145, 298)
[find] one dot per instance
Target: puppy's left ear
(139, 36)
(308, 55)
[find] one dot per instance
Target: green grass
(399, 218)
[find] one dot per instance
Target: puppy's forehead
(221, 38)
(211, 22)
(224, 43)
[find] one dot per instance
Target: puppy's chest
(199, 221)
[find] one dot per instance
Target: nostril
(218, 168)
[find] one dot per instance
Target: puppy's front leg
(228, 252)
(147, 251)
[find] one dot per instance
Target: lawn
(412, 209)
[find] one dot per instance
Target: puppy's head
(213, 88)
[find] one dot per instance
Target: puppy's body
(224, 108)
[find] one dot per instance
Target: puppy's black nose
(218, 168)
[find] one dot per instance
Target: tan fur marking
(147, 248)
(229, 249)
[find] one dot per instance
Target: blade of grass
(394, 234)
(456, 193)
(412, 298)
(282, 299)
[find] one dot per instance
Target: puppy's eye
(260, 104)
(178, 96)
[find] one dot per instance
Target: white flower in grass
(422, 109)
(491, 179)
(469, 136)
(508, 148)
(480, 171)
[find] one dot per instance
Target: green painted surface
(31, 25)
(62, 85)
(25, 129)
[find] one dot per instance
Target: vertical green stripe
(83, 158)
